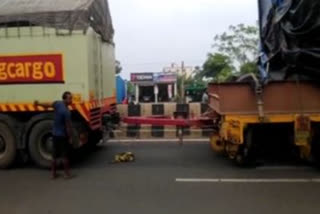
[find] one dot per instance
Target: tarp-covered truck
(48, 47)
(281, 109)
(278, 111)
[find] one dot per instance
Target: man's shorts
(60, 147)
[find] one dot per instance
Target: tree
(196, 71)
(217, 67)
(185, 82)
(130, 88)
(240, 43)
(118, 67)
(249, 67)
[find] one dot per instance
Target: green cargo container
(88, 64)
(45, 50)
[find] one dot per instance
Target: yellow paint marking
(4, 108)
(31, 107)
(12, 107)
(79, 108)
(40, 108)
(87, 106)
(22, 108)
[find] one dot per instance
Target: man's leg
(54, 158)
(66, 162)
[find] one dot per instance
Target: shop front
(154, 87)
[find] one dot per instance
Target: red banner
(31, 69)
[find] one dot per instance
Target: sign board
(31, 69)
(142, 77)
(165, 77)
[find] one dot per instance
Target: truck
(46, 49)
(277, 110)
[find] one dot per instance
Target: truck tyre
(40, 143)
(315, 149)
(95, 138)
(8, 146)
(216, 144)
(245, 155)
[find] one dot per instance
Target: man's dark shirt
(61, 116)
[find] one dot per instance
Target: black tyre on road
(40, 143)
(245, 156)
(315, 147)
(8, 144)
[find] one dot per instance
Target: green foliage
(240, 43)
(249, 67)
(217, 67)
(130, 88)
(195, 84)
(236, 54)
(186, 83)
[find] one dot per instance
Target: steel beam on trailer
(198, 122)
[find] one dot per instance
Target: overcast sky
(151, 34)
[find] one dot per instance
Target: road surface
(166, 178)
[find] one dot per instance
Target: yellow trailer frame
(231, 133)
(237, 106)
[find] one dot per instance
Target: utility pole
(183, 100)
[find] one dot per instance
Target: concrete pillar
(156, 93)
(170, 91)
(175, 89)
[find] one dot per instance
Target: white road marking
(284, 168)
(199, 180)
(248, 180)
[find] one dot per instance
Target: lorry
(47, 48)
(277, 110)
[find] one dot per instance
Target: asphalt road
(166, 178)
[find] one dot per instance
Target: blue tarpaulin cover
(121, 89)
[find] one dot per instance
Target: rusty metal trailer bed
(239, 109)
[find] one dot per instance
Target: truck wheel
(217, 145)
(40, 143)
(95, 138)
(242, 158)
(8, 147)
(315, 149)
(245, 155)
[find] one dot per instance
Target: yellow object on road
(124, 157)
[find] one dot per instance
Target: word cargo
(31, 69)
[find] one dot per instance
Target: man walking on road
(62, 133)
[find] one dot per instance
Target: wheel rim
(46, 146)
(2, 146)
